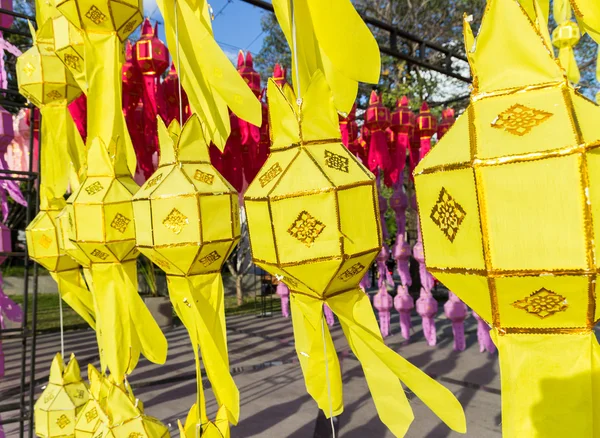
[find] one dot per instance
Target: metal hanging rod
(443, 58)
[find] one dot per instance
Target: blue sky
(236, 25)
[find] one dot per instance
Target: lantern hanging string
(299, 102)
(179, 73)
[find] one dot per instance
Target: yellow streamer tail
(126, 327)
(566, 55)
(74, 292)
(549, 383)
(199, 303)
(55, 136)
(103, 53)
(307, 314)
(383, 367)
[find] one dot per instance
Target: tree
(438, 21)
(240, 261)
(275, 49)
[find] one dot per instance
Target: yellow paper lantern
(43, 245)
(508, 205)
(57, 407)
(565, 37)
(313, 222)
(45, 81)
(100, 219)
(187, 222)
(42, 77)
(103, 16)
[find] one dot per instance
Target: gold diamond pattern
(95, 15)
(353, 270)
(94, 188)
(306, 228)
(91, 415)
(543, 303)
(100, 254)
(45, 241)
(152, 182)
(120, 223)
(62, 421)
(520, 120)
(335, 161)
(79, 394)
(73, 61)
(204, 177)
(175, 221)
(209, 259)
(447, 214)
(130, 26)
(270, 174)
(135, 435)
(55, 95)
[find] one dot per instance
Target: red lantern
(264, 145)
(427, 124)
(232, 160)
(363, 144)
(279, 75)
(348, 127)
(403, 125)
(446, 123)
(377, 120)
(133, 82)
(152, 59)
(249, 133)
(169, 103)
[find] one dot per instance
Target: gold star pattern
(175, 221)
(520, 120)
(543, 303)
(306, 228)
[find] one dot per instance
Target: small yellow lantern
(57, 408)
(100, 219)
(46, 82)
(509, 210)
(314, 223)
(187, 222)
(565, 37)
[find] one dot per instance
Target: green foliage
(275, 49)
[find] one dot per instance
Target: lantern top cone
(402, 118)
(151, 54)
(377, 116)
(279, 74)
(180, 210)
(245, 66)
(310, 187)
(493, 214)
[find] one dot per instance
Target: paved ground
(273, 398)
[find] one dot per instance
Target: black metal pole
(35, 272)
